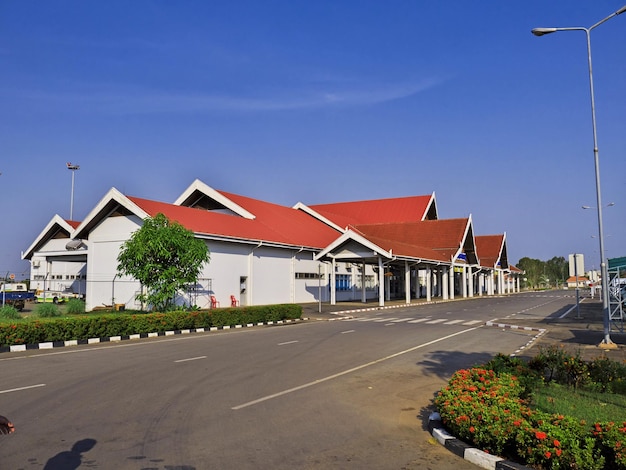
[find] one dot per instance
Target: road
(350, 394)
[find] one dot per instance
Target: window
(343, 282)
(309, 276)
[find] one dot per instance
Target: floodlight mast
(73, 169)
(606, 342)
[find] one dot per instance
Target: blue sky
(317, 101)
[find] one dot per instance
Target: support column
(470, 279)
(429, 278)
(381, 283)
(418, 285)
(407, 282)
(464, 281)
(363, 289)
(481, 283)
(333, 285)
(451, 282)
(518, 284)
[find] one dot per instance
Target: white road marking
(471, 322)
(22, 388)
(349, 371)
(419, 320)
(385, 319)
(434, 322)
(346, 332)
(191, 359)
(402, 319)
(453, 322)
(287, 342)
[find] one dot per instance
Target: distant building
(576, 265)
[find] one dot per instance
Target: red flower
(540, 435)
(472, 429)
(556, 443)
(559, 452)
(548, 454)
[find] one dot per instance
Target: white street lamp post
(603, 266)
(73, 169)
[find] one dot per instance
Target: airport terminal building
(264, 253)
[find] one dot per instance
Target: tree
(164, 256)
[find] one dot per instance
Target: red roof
(489, 249)
(272, 223)
(392, 210)
(437, 240)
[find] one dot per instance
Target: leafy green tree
(164, 256)
(533, 269)
(557, 269)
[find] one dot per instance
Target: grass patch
(586, 405)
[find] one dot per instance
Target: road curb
(466, 451)
(114, 339)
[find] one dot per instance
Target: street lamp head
(71, 166)
(621, 10)
(542, 31)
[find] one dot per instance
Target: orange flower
(540, 435)
(556, 443)
(472, 429)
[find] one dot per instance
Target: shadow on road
(71, 459)
(445, 363)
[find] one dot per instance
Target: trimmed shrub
(44, 329)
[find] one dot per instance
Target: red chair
(233, 301)
(214, 302)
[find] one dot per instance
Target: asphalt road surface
(349, 394)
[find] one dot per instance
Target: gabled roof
(441, 241)
(271, 223)
(391, 210)
(58, 227)
(492, 250)
(438, 240)
(202, 196)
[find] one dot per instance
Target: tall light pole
(73, 169)
(606, 342)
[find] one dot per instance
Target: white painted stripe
(453, 322)
(435, 321)
(471, 322)
(191, 359)
(419, 320)
(390, 324)
(46, 345)
(400, 320)
(22, 388)
(169, 333)
(349, 371)
(380, 320)
(366, 319)
(346, 332)
(287, 342)
(93, 340)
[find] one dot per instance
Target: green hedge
(120, 324)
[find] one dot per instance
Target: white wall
(104, 287)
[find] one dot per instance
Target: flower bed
(491, 410)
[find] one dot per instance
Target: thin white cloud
(141, 102)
